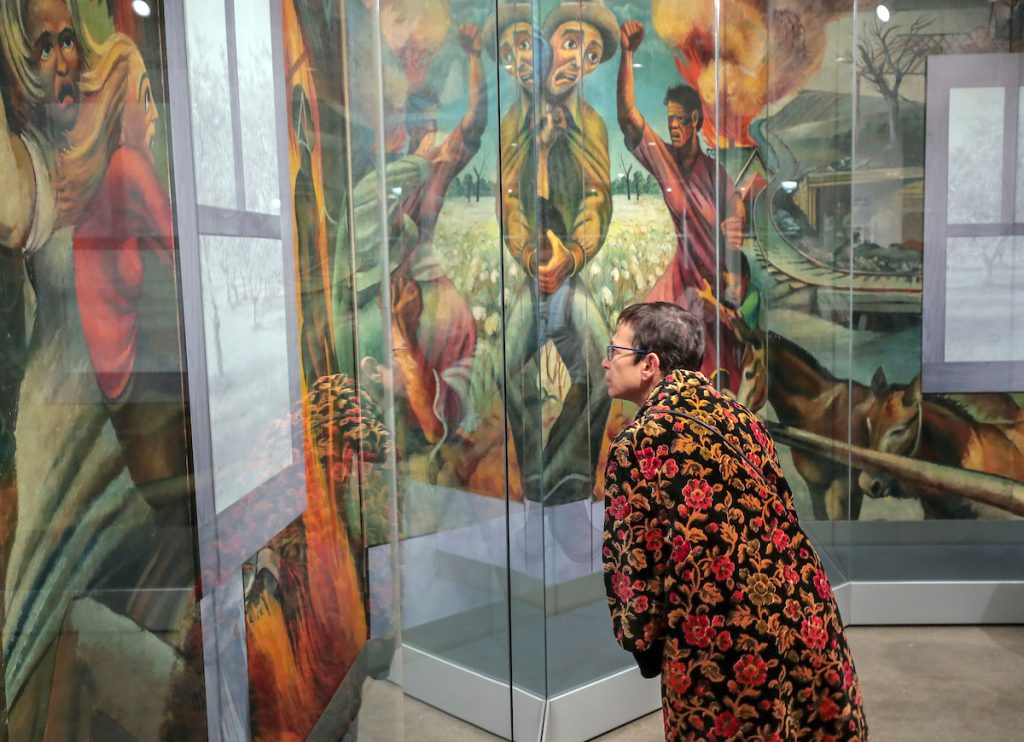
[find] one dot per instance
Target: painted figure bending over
(434, 331)
(704, 216)
(711, 582)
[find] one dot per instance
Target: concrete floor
(933, 684)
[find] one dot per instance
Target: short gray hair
(672, 333)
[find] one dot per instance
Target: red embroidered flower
(640, 605)
(814, 633)
(698, 631)
(622, 586)
(726, 725)
(759, 435)
(790, 575)
(847, 675)
(722, 568)
(792, 610)
(724, 641)
(663, 450)
(828, 709)
(821, 584)
(671, 468)
(654, 539)
(675, 677)
(780, 539)
(697, 494)
(619, 507)
(680, 549)
(649, 463)
(751, 670)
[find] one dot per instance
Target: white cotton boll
(606, 296)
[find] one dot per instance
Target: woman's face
(138, 127)
(55, 54)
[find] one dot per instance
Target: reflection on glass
(247, 363)
(975, 155)
(1020, 157)
(983, 275)
(257, 107)
(212, 140)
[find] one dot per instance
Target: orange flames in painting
(748, 78)
(301, 649)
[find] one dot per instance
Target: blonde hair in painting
(97, 133)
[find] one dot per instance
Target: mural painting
(726, 189)
(537, 168)
(527, 170)
(98, 536)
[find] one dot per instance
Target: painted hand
(426, 148)
(712, 304)
(631, 35)
(469, 39)
(732, 228)
(552, 126)
(555, 270)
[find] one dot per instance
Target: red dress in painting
(127, 298)
(691, 200)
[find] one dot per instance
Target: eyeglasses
(613, 348)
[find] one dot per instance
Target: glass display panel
(1019, 211)
(101, 631)
(247, 352)
(257, 107)
(409, 422)
(976, 124)
(983, 278)
(210, 94)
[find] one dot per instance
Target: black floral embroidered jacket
(711, 580)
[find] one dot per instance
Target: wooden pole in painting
(990, 489)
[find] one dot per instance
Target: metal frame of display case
(221, 603)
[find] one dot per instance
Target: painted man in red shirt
(698, 192)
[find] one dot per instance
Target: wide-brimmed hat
(509, 12)
(593, 12)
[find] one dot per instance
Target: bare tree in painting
(479, 173)
(887, 56)
(626, 173)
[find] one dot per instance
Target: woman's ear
(652, 365)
